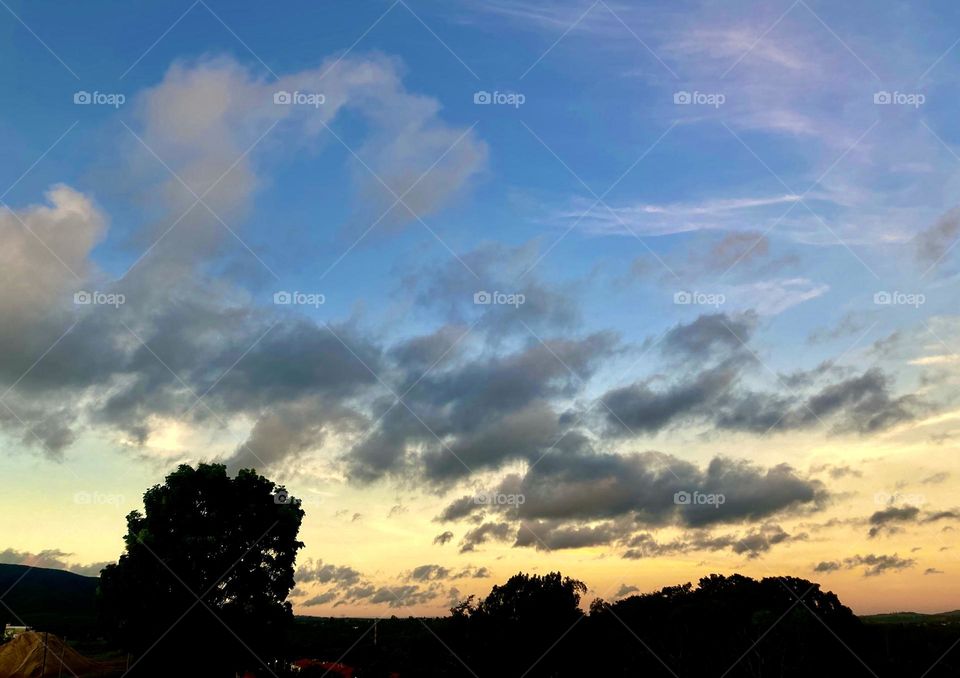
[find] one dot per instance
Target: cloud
(443, 537)
(186, 346)
(477, 414)
(582, 499)
(875, 565)
(885, 520)
(934, 243)
(322, 599)
(426, 573)
(881, 520)
(646, 219)
(753, 543)
(206, 114)
(317, 571)
(484, 533)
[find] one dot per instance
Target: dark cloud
(645, 486)
(426, 573)
(710, 334)
(888, 519)
(933, 244)
(850, 324)
(498, 268)
(477, 414)
(443, 537)
(860, 404)
(322, 599)
(875, 565)
(553, 535)
(311, 571)
(484, 533)
(751, 543)
(713, 393)
(624, 591)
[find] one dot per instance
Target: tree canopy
(205, 574)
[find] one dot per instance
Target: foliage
(205, 573)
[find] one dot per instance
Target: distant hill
(49, 600)
(952, 617)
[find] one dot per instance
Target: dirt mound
(23, 657)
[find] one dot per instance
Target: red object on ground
(333, 667)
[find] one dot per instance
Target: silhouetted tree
(522, 627)
(780, 626)
(201, 588)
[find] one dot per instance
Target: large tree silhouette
(521, 626)
(201, 587)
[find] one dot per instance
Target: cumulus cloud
(186, 345)
(584, 498)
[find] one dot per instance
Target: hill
(52, 600)
(952, 617)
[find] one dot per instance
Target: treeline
(724, 626)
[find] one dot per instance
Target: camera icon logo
(82, 97)
(482, 97)
(682, 98)
(882, 298)
(82, 298)
(282, 97)
(481, 297)
(682, 297)
(882, 97)
(281, 497)
(682, 498)
(282, 298)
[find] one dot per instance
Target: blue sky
(780, 165)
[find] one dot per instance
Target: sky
(636, 291)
